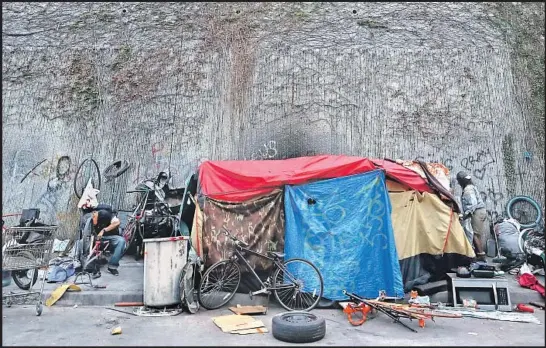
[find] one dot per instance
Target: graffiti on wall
(478, 163)
(160, 154)
(266, 151)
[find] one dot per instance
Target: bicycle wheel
(129, 233)
(525, 210)
(308, 285)
(219, 284)
(85, 172)
(187, 288)
(24, 278)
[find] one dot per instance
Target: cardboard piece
(248, 309)
(250, 331)
(241, 324)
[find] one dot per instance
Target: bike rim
(307, 289)
(24, 277)
(219, 285)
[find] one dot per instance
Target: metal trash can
(164, 259)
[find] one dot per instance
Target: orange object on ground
(523, 308)
(352, 309)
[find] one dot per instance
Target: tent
(429, 237)
(228, 190)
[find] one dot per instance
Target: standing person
(474, 208)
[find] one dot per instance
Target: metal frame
(40, 253)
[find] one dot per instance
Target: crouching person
(106, 227)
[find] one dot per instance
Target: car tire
(298, 327)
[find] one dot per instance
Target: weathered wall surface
(169, 84)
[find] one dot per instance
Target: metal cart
(26, 248)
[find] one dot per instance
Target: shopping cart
(26, 248)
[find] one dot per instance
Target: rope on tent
(448, 230)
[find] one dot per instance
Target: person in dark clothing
(106, 226)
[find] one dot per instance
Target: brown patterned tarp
(259, 222)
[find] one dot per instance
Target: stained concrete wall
(170, 84)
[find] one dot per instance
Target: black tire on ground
(298, 327)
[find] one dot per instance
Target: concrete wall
(170, 84)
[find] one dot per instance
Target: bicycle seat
(275, 254)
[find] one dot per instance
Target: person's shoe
(113, 271)
(95, 275)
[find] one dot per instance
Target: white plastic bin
(164, 259)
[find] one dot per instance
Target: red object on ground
(528, 280)
(238, 181)
(523, 308)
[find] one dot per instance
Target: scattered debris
(156, 312)
(118, 310)
(495, 315)
(396, 311)
(540, 305)
(59, 292)
(248, 309)
(116, 331)
(240, 324)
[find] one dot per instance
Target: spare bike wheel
(298, 327)
(187, 289)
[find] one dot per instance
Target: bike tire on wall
(76, 191)
(115, 170)
(532, 202)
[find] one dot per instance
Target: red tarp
(404, 175)
(237, 181)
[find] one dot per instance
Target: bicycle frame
(96, 252)
(237, 253)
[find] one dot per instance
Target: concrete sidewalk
(129, 287)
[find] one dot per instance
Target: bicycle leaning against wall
(296, 283)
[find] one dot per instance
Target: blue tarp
(343, 226)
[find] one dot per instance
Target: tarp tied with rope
(343, 226)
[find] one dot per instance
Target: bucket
(491, 248)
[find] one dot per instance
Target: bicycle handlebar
(235, 240)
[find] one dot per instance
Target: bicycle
(221, 281)
(97, 250)
(133, 233)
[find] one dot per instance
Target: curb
(102, 297)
